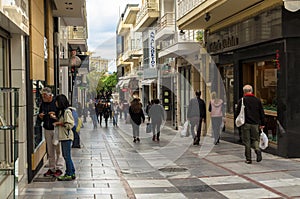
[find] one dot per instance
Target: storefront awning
(147, 82)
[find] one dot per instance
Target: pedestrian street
(109, 165)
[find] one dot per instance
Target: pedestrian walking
(92, 110)
(148, 108)
(99, 111)
(125, 109)
(65, 123)
(137, 115)
(115, 113)
(157, 115)
(196, 115)
(47, 108)
(106, 113)
(254, 120)
(216, 109)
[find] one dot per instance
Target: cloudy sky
(103, 17)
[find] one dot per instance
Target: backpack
(77, 121)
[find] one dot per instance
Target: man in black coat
(254, 121)
(196, 115)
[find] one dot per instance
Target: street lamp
(292, 5)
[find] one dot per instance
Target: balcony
(202, 14)
(123, 28)
(72, 13)
(121, 62)
(77, 37)
(180, 45)
(130, 13)
(134, 49)
(148, 13)
(166, 26)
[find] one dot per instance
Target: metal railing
(188, 36)
(77, 33)
(147, 7)
(167, 20)
(185, 6)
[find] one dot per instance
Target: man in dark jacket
(196, 115)
(47, 108)
(254, 120)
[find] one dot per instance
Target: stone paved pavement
(110, 166)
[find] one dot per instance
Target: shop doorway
(262, 75)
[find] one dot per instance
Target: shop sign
(223, 43)
(152, 51)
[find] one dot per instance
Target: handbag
(148, 128)
(240, 120)
(263, 141)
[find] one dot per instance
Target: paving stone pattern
(110, 166)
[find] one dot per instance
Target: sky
(102, 19)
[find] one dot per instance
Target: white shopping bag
(264, 141)
(185, 131)
(55, 140)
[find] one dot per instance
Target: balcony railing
(77, 33)
(166, 20)
(185, 6)
(188, 36)
(145, 9)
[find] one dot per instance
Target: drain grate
(172, 169)
(44, 179)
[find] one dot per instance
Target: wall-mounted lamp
(292, 5)
(181, 32)
(207, 16)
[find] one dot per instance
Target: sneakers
(57, 173)
(66, 177)
(49, 173)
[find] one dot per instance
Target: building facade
(253, 43)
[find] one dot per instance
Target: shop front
(262, 51)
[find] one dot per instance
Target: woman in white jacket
(65, 124)
(216, 109)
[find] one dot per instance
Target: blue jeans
(66, 152)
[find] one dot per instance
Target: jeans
(76, 141)
(66, 151)
(94, 118)
(135, 129)
(115, 119)
(250, 138)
